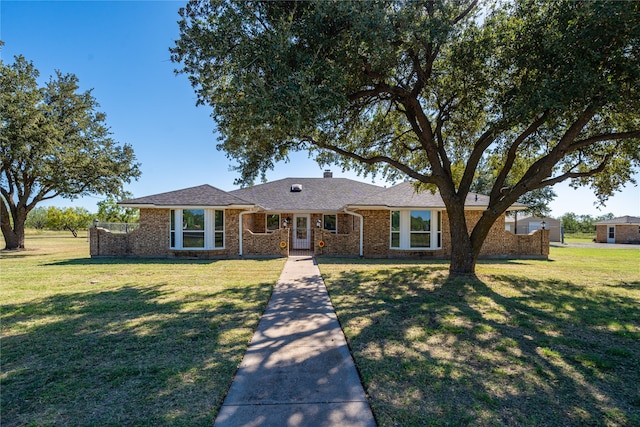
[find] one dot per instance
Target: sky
(120, 50)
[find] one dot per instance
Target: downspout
(252, 210)
(361, 227)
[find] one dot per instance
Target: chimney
(328, 174)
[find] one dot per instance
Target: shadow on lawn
(438, 351)
(132, 356)
(142, 261)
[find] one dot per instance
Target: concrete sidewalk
(297, 370)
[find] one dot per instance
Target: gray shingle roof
(404, 196)
(202, 195)
(318, 194)
(620, 221)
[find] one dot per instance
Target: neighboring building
(625, 229)
(529, 224)
(329, 216)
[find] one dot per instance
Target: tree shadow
(132, 356)
(511, 351)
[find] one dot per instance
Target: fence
(116, 227)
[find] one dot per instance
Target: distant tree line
(74, 219)
(573, 223)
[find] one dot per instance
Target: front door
(611, 234)
(301, 232)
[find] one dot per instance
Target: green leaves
(54, 142)
(537, 92)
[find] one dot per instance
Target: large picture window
(197, 229)
(416, 229)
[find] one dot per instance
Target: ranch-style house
(324, 216)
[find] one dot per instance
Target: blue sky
(121, 50)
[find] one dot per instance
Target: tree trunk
(463, 255)
(13, 236)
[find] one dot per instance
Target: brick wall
(601, 233)
(264, 244)
(347, 244)
(625, 233)
(152, 238)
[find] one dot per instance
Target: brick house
(325, 216)
(625, 229)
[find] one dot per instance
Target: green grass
(529, 343)
(121, 341)
(579, 237)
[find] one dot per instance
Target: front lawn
(122, 342)
(531, 343)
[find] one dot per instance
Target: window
(273, 222)
(201, 229)
(416, 229)
(395, 229)
(330, 223)
(172, 242)
(420, 229)
(193, 228)
(218, 240)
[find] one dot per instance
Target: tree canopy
(530, 93)
(53, 142)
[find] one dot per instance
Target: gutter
(345, 210)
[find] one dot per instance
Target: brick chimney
(328, 174)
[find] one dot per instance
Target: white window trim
(209, 231)
(405, 230)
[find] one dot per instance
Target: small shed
(529, 224)
(624, 229)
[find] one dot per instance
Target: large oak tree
(53, 143)
(530, 93)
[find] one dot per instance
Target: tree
(71, 219)
(37, 218)
(53, 143)
(110, 211)
(543, 92)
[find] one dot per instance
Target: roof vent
(328, 173)
(296, 188)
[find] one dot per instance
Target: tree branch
(465, 12)
(570, 175)
(512, 154)
(472, 163)
(373, 160)
(604, 137)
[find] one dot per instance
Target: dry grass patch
(529, 343)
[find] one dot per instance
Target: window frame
(213, 230)
(334, 231)
(266, 222)
(401, 230)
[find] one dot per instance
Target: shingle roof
(203, 195)
(404, 195)
(620, 221)
(317, 194)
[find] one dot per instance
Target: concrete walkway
(297, 370)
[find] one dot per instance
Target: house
(625, 229)
(528, 224)
(325, 216)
